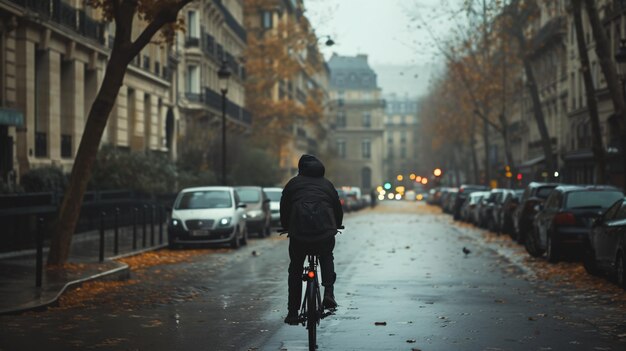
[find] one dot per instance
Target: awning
(11, 117)
(532, 162)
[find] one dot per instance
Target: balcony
(192, 42)
(231, 22)
(66, 15)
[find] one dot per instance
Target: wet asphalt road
(401, 263)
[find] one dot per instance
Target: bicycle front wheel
(312, 317)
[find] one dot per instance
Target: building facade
(358, 128)
(292, 109)
(401, 144)
(54, 54)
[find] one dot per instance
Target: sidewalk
(18, 292)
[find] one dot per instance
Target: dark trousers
(298, 251)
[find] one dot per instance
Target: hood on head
(310, 166)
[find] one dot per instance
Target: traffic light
(437, 172)
(387, 186)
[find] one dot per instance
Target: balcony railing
(66, 15)
(192, 42)
(231, 22)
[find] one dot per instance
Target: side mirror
(241, 205)
(538, 207)
(266, 200)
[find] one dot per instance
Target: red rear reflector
(564, 218)
(342, 201)
(311, 274)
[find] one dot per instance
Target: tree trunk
(616, 90)
(597, 147)
(473, 150)
(486, 146)
(85, 159)
(517, 30)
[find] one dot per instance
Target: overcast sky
(390, 32)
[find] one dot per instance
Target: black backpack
(312, 220)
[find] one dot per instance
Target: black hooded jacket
(309, 184)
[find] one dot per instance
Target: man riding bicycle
(311, 212)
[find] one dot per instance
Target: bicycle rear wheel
(312, 317)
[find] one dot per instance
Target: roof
(351, 72)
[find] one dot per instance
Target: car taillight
(564, 218)
(343, 202)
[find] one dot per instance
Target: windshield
(543, 192)
(274, 195)
(204, 199)
(249, 196)
(599, 199)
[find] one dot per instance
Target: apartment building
(282, 33)
(358, 130)
(214, 35)
(401, 125)
(54, 53)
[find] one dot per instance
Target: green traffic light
(387, 186)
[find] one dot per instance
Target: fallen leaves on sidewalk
(90, 291)
(154, 258)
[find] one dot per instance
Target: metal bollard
(152, 225)
(160, 225)
(143, 239)
(39, 259)
(101, 256)
(135, 215)
(116, 238)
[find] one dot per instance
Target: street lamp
(224, 74)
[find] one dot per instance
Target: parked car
(258, 216)
(343, 199)
(605, 251)
(274, 194)
(448, 200)
(478, 197)
(487, 215)
(468, 207)
(464, 191)
(207, 215)
(534, 194)
(564, 220)
(510, 202)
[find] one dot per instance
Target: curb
(120, 273)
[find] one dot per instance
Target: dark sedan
(464, 191)
(534, 194)
(605, 251)
(567, 215)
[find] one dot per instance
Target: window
(192, 24)
(266, 19)
(341, 119)
(366, 149)
(193, 80)
(403, 136)
(341, 148)
(403, 151)
(367, 120)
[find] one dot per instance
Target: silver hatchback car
(208, 215)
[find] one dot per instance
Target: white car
(208, 215)
(274, 194)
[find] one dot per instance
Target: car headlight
(225, 221)
(175, 222)
(255, 213)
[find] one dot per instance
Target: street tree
(597, 147)
(159, 16)
(274, 59)
(519, 13)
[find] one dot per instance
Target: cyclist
(310, 211)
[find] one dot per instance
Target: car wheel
(532, 243)
(620, 271)
(552, 251)
(234, 242)
(589, 261)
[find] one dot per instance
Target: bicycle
(312, 310)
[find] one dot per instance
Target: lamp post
(224, 74)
